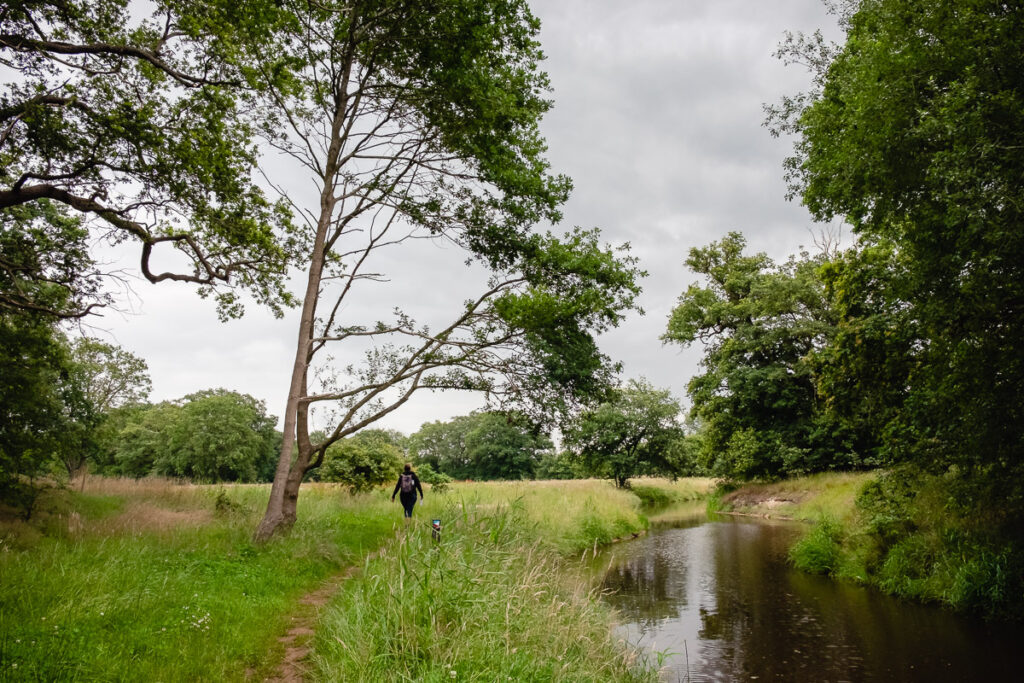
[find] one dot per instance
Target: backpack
(407, 483)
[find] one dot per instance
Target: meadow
(155, 580)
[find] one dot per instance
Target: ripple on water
(719, 602)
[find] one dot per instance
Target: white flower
(453, 674)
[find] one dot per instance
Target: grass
(809, 499)
(489, 602)
(155, 580)
(148, 582)
(899, 533)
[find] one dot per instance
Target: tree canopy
(209, 436)
(482, 445)
(140, 127)
(757, 401)
(636, 432)
(914, 138)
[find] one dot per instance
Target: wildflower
(453, 674)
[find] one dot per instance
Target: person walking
(408, 484)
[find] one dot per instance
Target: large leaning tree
(417, 121)
(125, 120)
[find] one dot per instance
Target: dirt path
(299, 638)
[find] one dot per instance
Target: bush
(362, 462)
(652, 496)
(820, 551)
(438, 480)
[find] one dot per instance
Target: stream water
(714, 600)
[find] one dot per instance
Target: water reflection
(719, 599)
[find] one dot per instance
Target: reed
(489, 602)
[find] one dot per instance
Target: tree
(144, 439)
(45, 266)
(914, 138)
(219, 435)
(363, 461)
(558, 466)
(209, 436)
(110, 376)
(757, 400)
(137, 126)
(632, 434)
(32, 410)
(504, 446)
(481, 445)
(419, 121)
(442, 446)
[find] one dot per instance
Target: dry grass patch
(143, 516)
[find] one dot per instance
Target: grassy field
(153, 580)
(156, 581)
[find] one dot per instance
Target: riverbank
(896, 532)
(161, 580)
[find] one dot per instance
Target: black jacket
(416, 486)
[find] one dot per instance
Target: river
(714, 600)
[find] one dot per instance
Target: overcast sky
(658, 121)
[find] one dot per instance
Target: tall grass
(154, 584)
(574, 515)
(155, 580)
(489, 602)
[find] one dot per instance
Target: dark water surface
(717, 599)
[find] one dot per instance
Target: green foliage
(558, 466)
(438, 481)
(634, 433)
(362, 462)
(913, 138)
(652, 496)
(45, 266)
(110, 376)
(904, 534)
(138, 123)
(44, 416)
(819, 551)
(209, 436)
(759, 412)
(483, 446)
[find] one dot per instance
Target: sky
(657, 118)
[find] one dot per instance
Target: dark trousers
(408, 500)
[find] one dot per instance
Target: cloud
(657, 118)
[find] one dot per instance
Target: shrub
(820, 551)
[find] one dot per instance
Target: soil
(761, 501)
(298, 640)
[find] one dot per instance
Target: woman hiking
(408, 484)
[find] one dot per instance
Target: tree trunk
(284, 494)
